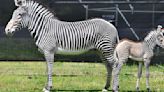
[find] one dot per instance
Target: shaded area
(24, 49)
(16, 49)
(81, 90)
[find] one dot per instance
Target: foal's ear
(20, 2)
(159, 28)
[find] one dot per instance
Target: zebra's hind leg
(108, 78)
(139, 76)
(49, 56)
(116, 70)
(106, 48)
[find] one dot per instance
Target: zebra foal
(139, 51)
(53, 36)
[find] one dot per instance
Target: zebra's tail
(118, 38)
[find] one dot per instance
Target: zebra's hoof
(137, 89)
(114, 91)
(104, 90)
(118, 87)
(45, 90)
(148, 89)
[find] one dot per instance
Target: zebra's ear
(20, 2)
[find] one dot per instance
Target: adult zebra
(52, 35)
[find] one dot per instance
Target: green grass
(71, 77)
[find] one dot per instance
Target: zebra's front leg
(147, 63)
(139, 76)
(49, 56)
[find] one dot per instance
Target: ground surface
(72, 77)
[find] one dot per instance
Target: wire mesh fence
(142, 17)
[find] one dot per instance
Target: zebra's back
(83, 35)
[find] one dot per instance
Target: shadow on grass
(64, 90)
(136, 91)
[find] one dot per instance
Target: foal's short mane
(149, 34)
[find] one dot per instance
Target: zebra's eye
(20, 14)
(161, 40)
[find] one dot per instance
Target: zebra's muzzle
(9, 32)
(11, 27)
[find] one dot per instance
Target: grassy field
(71, 77)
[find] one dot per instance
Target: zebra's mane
(45, 7)
(150, 34)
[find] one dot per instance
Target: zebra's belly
(136, 58)
(71, 52)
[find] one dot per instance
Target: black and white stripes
(52, 35)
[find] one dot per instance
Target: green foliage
(25, 49)
(18, 49)
(69, 77)
(6, 9)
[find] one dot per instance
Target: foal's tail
(116, 55)
(116, 61)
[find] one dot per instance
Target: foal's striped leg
(139, 75)
(147, 63)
